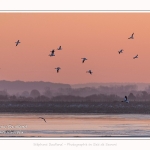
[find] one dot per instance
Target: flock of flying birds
(83, 60)
(58, 68)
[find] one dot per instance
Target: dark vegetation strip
(117, 107)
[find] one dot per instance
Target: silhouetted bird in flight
(52, 53)
(135, 57)
(58, 68)
(42, 118)
(83, 59)
(121, 51)
(59, 48)
(17, 42)
(125, 99)
(89, 71)
(131, 37)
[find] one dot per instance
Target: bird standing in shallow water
(125, 99)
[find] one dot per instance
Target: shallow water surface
(74, 125)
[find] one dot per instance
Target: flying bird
(83, 59)
(58, 68)
(59, 48)
(89, 71)
(135, 57)
(121, 51)
(52, 53)
(17, 42)
(125, 99)
(42, 118)
(131, 37)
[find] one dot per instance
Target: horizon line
(81, 83)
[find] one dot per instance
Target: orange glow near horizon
(96, 36)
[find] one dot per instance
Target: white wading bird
(131, 37)
(17, 42)
(125, 99)
(83, 59)
(58, 68)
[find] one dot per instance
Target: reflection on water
(74, 125)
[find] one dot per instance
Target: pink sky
(96, 36)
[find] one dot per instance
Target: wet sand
(74, 125)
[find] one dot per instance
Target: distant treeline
(87, 94)
(143, 96)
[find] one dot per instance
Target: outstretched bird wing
(42, 118)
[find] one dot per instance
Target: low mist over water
(49, 89)
(34, 97)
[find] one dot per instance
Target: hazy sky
(96, 36)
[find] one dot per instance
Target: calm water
(74, 125)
